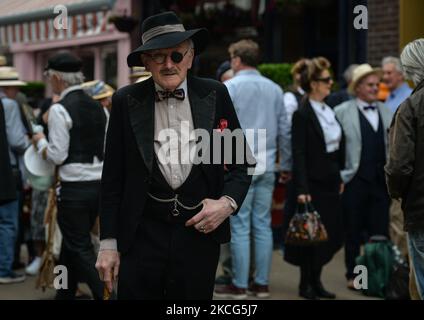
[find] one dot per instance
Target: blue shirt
(15, 130)
(398, 96)
(259, 104)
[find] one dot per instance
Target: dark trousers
(366, 213)
(78, 204)
(168, 260)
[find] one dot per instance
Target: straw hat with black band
(9, 77)
(360, 72)
(166, 30)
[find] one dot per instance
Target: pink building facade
(31, 32)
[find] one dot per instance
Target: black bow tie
(372, 108)
(177, 94)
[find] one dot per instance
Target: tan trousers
(413, 290)
(397, 235)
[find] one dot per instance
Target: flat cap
(64, 62)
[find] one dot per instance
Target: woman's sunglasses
(325, 80)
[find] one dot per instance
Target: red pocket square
(223, 124)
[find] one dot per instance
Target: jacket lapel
(354, 114)
(386, 116)
(142, 117)
(315, 121)
(203, 107)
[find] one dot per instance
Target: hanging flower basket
(124, 23)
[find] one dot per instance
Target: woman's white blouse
(330, 127)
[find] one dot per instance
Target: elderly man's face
(169, 74)
(11, 92)
(392, 77)
(367, 89)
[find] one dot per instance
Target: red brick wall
(383, 30)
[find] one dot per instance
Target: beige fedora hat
(9, 77)
(361, 72)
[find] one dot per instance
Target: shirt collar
(248, 72)
(401, 88)
(362, 104)
(319, 106)
(69, 89)
(183, 85)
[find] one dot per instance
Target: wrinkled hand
(37, 137)
(303, 198)
(108, 267)
(213, 213)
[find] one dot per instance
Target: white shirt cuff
(108, 244)
(233, 203)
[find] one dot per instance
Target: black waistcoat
(373, 155)
(88, 127)
(194, 189)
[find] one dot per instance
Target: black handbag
(306, 227)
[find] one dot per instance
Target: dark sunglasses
(160, 58)
(325, 80)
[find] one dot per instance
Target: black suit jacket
(129, 155)
(310, 159)
(7, 181)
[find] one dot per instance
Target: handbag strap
(309, 206)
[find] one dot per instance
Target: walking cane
(106, 293)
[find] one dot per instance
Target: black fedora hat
(165, 30)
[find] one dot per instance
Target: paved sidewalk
(284, 283)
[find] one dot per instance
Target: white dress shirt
(174, 115)
(370, 115)
(330, 127)
(290, 102)
(59, 124)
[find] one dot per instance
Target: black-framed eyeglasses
(160, 58)
(325, 80)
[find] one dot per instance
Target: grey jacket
(348, 115)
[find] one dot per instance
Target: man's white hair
(348, 74)
(412, 59)
(395, 61)
(191, 43)
(69, 78)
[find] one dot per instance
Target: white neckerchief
(330, 127)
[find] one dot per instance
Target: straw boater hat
(3, 61)
(360, 72)
(165, 30)
(97, 89)
(9, 77)
(140, 73)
